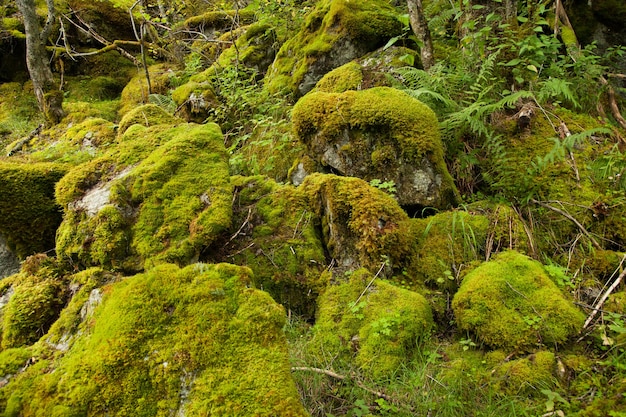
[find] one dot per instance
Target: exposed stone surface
(9, 264)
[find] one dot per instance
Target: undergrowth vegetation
(187, 271)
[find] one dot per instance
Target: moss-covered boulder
(380, 133)
(163, 194)
(335, 32)
(371, 70)
(276, 234)
(31, 302)
(378, 324)
(146, 115)
(193, 341)
(511, 303)
(361, 225)
(29, 214)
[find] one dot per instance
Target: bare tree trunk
(49, 98)
(420, 28)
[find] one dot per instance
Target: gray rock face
(9, 264)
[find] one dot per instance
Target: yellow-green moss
(136, 91)
(280, 242)
(448, 245)
(196, 339)
(339, 28)
(29, 215)
(168, 198)
(510, 302)
(361, 225)
(362, 129)
(220, 19)
(253, 49)
(382, 325)
(146, 115)
(346, 77)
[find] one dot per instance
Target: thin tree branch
(602, 299)
(570, 218)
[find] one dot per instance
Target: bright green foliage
(165, 204)
(526, 376)
(510, 302)
(37, 295)
(380, 324)
(196, 340)
(18, 111)
(334, 33)
(346, 77)
(379, 133)
(29, 215)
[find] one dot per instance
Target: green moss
(361, 225)
(510, 302)
(281, 242)
(138, 203)
(11, 360)
(196, 339)
(29, 215)
(355, 131)
(220, 19)
(253, 49)
(346, 77)
(336, 30)
(526, 376)
(147, 115)
(448, 244)
(382, 325)
(136, 91)
(90, 89)
(31, 310)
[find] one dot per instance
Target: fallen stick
(602, 299)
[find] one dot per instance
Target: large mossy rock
(162, 194)
(380, 324)
(380, 133)
(29, 214)
(192, 341)
(511, 303)
(335, 32)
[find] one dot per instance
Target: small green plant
(387, 186)
(552, 399)
(467, 344)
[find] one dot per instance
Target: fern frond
(165, 102)
(556, 88)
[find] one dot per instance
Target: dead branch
(242, 225)
(341, 378)
(613, 103)
(116, 45)
(19, 145)
(602, 299)
(570, 218)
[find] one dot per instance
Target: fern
(561, 148)
(165, 102)
(556, 88)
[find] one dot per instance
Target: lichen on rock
(380, 133)
(510, 302)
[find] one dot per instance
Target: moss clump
(136, 91)
(255, 48)
(138, 203)
(361, 225)
(448, 245)
(510, 302)
(197, 339)
(346, 77)
(280, 241)
(29, 215)
(526, 376)
(382, 325)
(380, 133)
(220, 19)
(37, 296)
(335, 32)
(146, 115)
